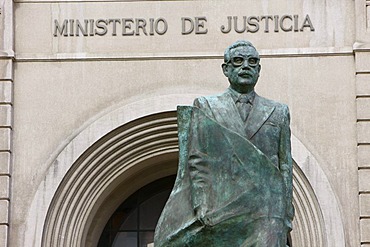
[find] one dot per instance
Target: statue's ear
(259, 68)
(225, 69)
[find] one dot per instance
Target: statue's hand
(201, 215)
(288, 224)
(289, 217)
(206, 221)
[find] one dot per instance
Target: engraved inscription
(268, 23)
(189, 25)
(113, 27)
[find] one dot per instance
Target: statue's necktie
(244, 106)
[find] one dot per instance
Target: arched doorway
(127, 159)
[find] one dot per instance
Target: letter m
(62, 30)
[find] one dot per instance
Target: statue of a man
(234, 183)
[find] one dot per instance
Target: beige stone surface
(363, 152)
(5, 139)
(362, 22)
(5, 115)
(3, 235)
(365, 205)
(65, 101)
(4, 163)
(365, 230)
(4, 210)
(333, 25)
(4, 187)
(362, 62)
(6, 95)
(6, 29)
(6, 72)
(367, 16)
(364, 181)
(363, 109)
(363, 132)
(363, 84)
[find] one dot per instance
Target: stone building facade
(88, 96)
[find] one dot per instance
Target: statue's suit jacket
(267, 128)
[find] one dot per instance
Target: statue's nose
(245, 65)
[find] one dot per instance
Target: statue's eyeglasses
(239, 61)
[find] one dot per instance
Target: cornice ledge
(361, 47)
(6, 54)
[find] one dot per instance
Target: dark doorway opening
(134, 221)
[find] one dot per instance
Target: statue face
(242, 69)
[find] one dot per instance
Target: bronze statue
(234, 182)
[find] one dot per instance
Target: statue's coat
(240, 171)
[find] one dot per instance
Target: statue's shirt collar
(236, 95)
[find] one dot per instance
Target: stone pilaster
(6, 115)
(362, 56)
(363, 140)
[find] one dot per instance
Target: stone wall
(67, 77)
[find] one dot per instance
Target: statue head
(241, 66)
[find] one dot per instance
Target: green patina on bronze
(234, 181)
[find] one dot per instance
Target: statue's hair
(235, 45)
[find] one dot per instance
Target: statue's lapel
(226, 113)
(260, 112)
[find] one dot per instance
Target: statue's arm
(286, 164)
